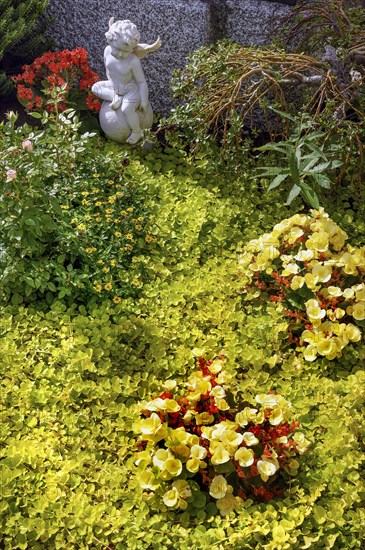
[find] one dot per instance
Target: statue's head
(122, 35)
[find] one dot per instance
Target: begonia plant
(316, 279)
(197, 451)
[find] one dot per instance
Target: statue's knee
(128, 107)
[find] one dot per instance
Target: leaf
(294, 169)
(295, 190)
(277, 181)
(322, 180)
(309, 195)
(35, 115)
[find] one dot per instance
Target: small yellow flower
(129, 237)
(105, 269)
(117, 234)
(97, 288)
(65, 207)
(148, 238)
(113, 262)
(117, 299)
(138, 227)
(98, 219)
(98, 203)
(108, 286)
(130, 209)
(101, 262)
(108, 210)
(81, 226)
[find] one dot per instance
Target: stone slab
(251, 22)
(183, 27)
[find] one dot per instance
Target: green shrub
(71, 221)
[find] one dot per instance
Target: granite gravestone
(183, 26)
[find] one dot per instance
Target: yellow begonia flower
(218, 392)
(311, 281)
(173, 466)
(358, 311)
(204, 418)
(182, 451)
(250, 439)
(221, 404)
(318, 241)
(297, 282)
(326, 347)
(249, 415)
(207, 432)
(231, 438)
(353, 333)
(171, 498)
(160, 458)
(294, 234)
(215, 367)
(290, 269)
(267, 467)
(197, 451)
(228, 504)
(193, 439)
(159, 404)
(219, 429)
(276, 416)
(301, 442)
(334, 291)
(304, 256)
(348, 263)
(193, 465)
(268, 401)
(220, 455)
(147, 480)
(360, 292)
(314, 311)
(183, 488)
(310, 353)
(323, 273)
(170, 384)
(218, 487)
(348, 293)
(245, 457)
(152, 428)
(338, 241)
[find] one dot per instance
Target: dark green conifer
(22, 27)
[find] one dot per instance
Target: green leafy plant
(55, 240)
(308, 161)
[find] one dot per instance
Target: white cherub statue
(126, 110)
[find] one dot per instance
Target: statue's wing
(144, 49)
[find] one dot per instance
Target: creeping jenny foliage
(72, 379)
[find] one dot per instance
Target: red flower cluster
(56, 69)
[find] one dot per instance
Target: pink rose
(27, 145)
(10, 175)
